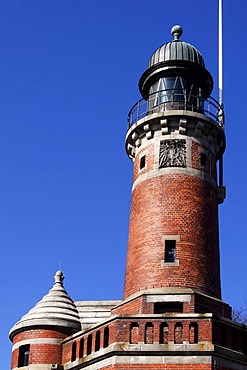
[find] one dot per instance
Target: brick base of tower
(140, 338)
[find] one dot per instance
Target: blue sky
(68, 76)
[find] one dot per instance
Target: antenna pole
(221, 117)
(220, 55)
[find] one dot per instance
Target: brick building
(172, 315)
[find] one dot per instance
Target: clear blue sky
(68, 77)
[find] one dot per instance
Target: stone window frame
(208, 159)
(176, 238)
(144, 153)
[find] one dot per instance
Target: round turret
(44, 327)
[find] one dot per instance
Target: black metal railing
(167, 100)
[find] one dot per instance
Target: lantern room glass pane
(179, 92)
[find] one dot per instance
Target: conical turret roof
(55, 309)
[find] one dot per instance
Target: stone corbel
(182, 126)
(134, 136)
(136, 139)
(131, 150)
(149, 133)
(164, 126)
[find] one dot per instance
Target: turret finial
(59, 278)
(176, 32)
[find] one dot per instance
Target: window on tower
(170, 250)
(23, 358)
(142, 162)
(203, 159)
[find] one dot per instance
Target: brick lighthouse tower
(175, 141)
(172, 316)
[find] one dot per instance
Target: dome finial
(176, 32)
(59, 277)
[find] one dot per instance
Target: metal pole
(220, 55)
(220, 85)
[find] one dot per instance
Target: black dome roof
(176, 50)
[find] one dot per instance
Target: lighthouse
(172, 316)
(175, 139)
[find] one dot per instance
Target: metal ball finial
(176, 32)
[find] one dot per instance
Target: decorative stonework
(172, 153)
(191, 124)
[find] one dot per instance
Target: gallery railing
(167, 100)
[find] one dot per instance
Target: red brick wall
(205, 304)
(37, 333)
(135, 306)
(39, 353)
(174, 204)
(67, 351)
(143, 330)
(45, 354)
(209, 168)
(136, 329)
(165, 367)
(139, 305)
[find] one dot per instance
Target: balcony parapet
(169, 100)
(160, 334)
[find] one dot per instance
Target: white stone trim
(144, 359)
(173, 170)
(36, 341)
(171, 237)
(168, 264)
(165, 123)
(169, 298)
